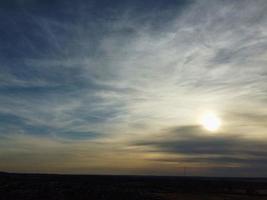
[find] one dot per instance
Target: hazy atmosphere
(163, 87)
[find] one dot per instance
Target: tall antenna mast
(184, 171)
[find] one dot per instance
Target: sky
(120, 87)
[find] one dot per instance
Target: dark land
(98, 187)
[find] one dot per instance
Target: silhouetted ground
(57, 187)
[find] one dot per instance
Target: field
(96, 187)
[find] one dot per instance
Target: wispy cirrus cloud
(114, 73)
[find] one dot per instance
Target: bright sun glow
(210, 122)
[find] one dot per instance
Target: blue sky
(118, 87)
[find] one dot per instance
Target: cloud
(96, 71)
(192, 144)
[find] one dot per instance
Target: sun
(211, 122)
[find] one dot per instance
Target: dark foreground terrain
(39, 187)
